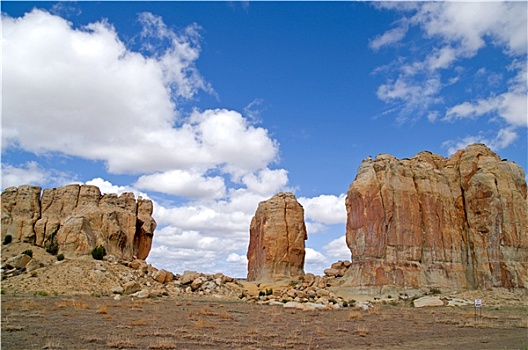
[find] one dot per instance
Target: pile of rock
(19, 264)
(309, 293)
(337, 269)
(147, 281)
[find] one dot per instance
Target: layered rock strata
(76, 218)
(277, 235)
(454, 223)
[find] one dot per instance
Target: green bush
(435, 291)
(28, 252)
(60, 257)
(52, 247)
(98, 252)
(8, 239)
(269, 291)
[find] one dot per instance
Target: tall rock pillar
(277, 235)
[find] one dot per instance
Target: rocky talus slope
(76, 218)
(457, 223)
(277, 235)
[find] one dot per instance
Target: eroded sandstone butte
(78, 218)
(277, 235)
(458, 223)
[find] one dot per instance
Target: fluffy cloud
(31, 173)
(501, 140)
(325, 209)
(453, 33)
(82, 92)
(107, 187)
(315, 262)
(390, 37)
(511, 105)
(338, 249)
(185, 183)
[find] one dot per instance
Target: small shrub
(33, 273)
(262, 293)
(242, 295)
(362, 331)
(28, 252)
(269, 291)
(98, 252)
(42, 293)
(102, 310)
(8, 239)
(354, 315)
(52, 248)
(345, 303)
(60, 257)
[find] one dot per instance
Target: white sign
(478, 302)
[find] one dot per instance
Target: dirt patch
(85, 322)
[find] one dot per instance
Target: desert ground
(43, 321)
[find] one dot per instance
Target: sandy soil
(88, 322)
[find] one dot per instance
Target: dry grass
(376, 310)
(163, 344)
(354, 315)
(120, 343)
(138, 323)
(320, 331)
(203, 323)
(102, 310)
(225, 315)
(80, 305)
(62, 304)
(252, 331)
(53, 345)
(207, 312)
(27, 305)
(12, 328)
(362, 331)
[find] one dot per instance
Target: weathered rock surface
(428, 301)
(456, 223)
(277, 235)
(77, 218)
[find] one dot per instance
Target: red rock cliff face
(78, 218)
(430, 221)
(277, 235)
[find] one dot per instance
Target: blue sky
(209, 108)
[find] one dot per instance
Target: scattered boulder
(163, 276)
(131, 287)
(428, 301)
(18, 262)
(33, 265)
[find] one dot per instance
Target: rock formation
(430, 221)
(277, 235)
(76, 218)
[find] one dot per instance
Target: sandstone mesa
(455, 223)
(77, 218)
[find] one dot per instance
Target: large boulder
(453, 223)
(277, 235)
(76, 218)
